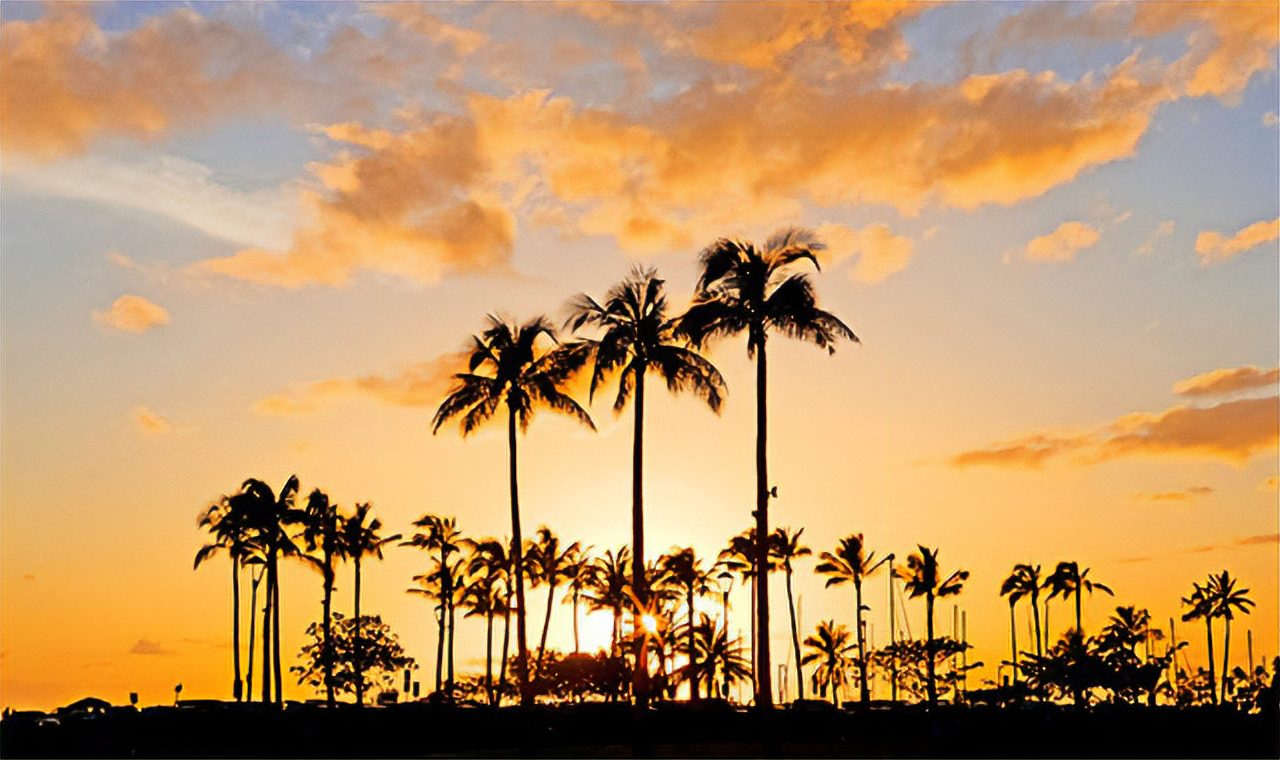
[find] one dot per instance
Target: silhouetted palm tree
(231, 533)
(720, 659)
(745, 287)
(850, 563)
(550, 564)
(609, 590)
(1201, 604)
(360, 539)
(581, 572)
(684, 571)
(1067, 579)
(923, 577)
(1224, 599)
(269, 516)
(740, 557)
(638, 339)
(439, 534)
(482, 596)
(829, 647)
(524, 379)
(1024, 580)
(322, 531)
(788, 549)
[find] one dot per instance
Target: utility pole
(893, 639)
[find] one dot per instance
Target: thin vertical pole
(893, 639)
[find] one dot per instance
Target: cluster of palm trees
(1218, 597)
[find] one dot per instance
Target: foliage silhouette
(355, 658)
(924, 578)
(850, 563)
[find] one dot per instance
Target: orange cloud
(1225, 381)
(1162, 230)
(149, 423)
(1268, 484)
(66, 82)
(1212, 247)
(1265, 538)
(1063, 243)
(1233, 431)
(1229, 42)
(130, 313)
(880, 252)
(1186, 494)
(419, 385)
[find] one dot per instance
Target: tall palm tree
(551, 564)
(829, 647)
(1024, 580)
(1068, 579)
(322, 532)
(581, 572)
(850, 563)
(231, 533)
(523, 377)
(439, 534)
(746, 287)
(269, 516)
(637, 339)
(1201, 603)
(685, 572)
(609, 590)
(923, 577)
(788, 549)
(1224, 600)
(360, 539)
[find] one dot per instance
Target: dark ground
(612, 730)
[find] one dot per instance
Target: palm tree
(581, 572)
(1068, 579)
(787, 547)
(829, 647)
(1224, 599)
(230, 530)
(720, 659)
(1024, 580)
(491, 558)
(482, 597)
(740, 557)
(360, 539)
(322, 531)
(638, 338)
(609, 589)
(745, 287)
(440, 534)
(524, 378)
(269, 516)
(550, 565)
(850, 563)
(923, 577)
(1202, 606)
(685, 572)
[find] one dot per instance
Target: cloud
(1227, 44)
(1266, 538)
(880, 253)
(1186, 494)
(68, 83)
(1233, 431)
(1269, 119)
(28, 577)
(1133, 560)
(130, 313)
(1268, 483)
(1062, 244)
(1162, 230)
(419, 385)
(149, 423)
(147, 647)
(1212, 247)
(1221, 382)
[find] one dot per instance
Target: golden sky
(249, 240)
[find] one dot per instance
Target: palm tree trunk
(795, 637)
(764, 678)
(1047, 636)
(928, 649)
(640, 675)
(1079, 627)
(357, 645)
(546, 623)
(1035, 613)
(266, 631)
(864, 693)
(575, 619)
(328, 630)
(1226, 649)
(1013, 641)
(1213, 681)
(517, 554)
(488, 652)
(506, 641)
(275, 637)
(693, 655)
(440, 619)
(237, 686)
(253, 619)
(453, 633)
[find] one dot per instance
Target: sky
(249, 240)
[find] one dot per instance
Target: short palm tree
(609, 589)
(744, 287)
(1224, 600)
(550, 564)
(491, 559)
(507, 367)
(229, 527)
(638, 339)
(439, 534)
(829, 649)
(1068, 579)
(1024, 580)
(740, 557)
(1201, 604)
(482, 597)
(322, 532)
(923, 577)
(788, 549)
(720, 658)
(850, 563)
(360, 539)
(684, 570)
(581, 573)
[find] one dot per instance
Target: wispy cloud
(879, 252)
(1225, 381)
(149, 423)
(148, 647)
(1160, 232)
(1212, 247)
(132, 313)
(1061, 245)
(418, 385)
(1185, 494)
